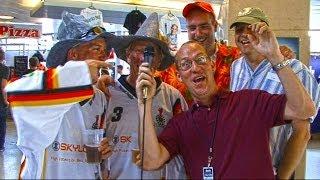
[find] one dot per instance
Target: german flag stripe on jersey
(50, 80)
(50, 97)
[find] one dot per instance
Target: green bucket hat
(250, 15)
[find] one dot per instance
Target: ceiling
(113, 12)
(21, 9)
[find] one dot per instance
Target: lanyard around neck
(203, 136)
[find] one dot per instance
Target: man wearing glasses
(202, 25)
(224, 135)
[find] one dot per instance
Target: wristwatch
(281, 65)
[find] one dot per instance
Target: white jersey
(50, 119)
(122, 124)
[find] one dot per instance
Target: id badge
(208, 173)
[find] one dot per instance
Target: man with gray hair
(254, 71)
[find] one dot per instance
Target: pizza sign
(10, 31)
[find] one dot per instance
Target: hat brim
(121, 43)
(247, 20)
(58, 53)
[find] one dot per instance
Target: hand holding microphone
(146, 82)
(148, 57)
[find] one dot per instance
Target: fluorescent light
(30, 3)
(17, 23)
(6, 17)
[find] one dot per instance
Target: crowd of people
(211, 111)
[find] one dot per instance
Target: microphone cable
(143, 135)
(148, 56)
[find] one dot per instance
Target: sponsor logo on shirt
(57, 146)
(160, 120)
(122, 139)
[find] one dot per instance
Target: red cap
(204, 6)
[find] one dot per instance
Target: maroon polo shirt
(241, 143)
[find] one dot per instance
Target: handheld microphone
(148, 56)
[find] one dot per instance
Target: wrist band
(281, 65)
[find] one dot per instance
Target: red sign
(10, 31)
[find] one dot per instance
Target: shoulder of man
(238, 62)
(171, 90)
(175, 97)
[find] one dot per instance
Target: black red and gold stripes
(51, 93)
(50, 80)
(50, 97)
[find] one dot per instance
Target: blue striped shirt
(265, 78)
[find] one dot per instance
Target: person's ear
(215, 24)
(72, 54)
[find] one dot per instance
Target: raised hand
(265, 42)
(145, 79)
(103, 82)
(94, 66)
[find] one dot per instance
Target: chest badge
(160, 120)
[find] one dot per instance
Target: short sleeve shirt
(240, 146)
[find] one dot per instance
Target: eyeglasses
(186, 64)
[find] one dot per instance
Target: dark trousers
(3, 125)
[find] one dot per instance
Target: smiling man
(52, 108)
(254, 71)
(201, 27)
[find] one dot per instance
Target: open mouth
(200, 40)
(245, 42)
